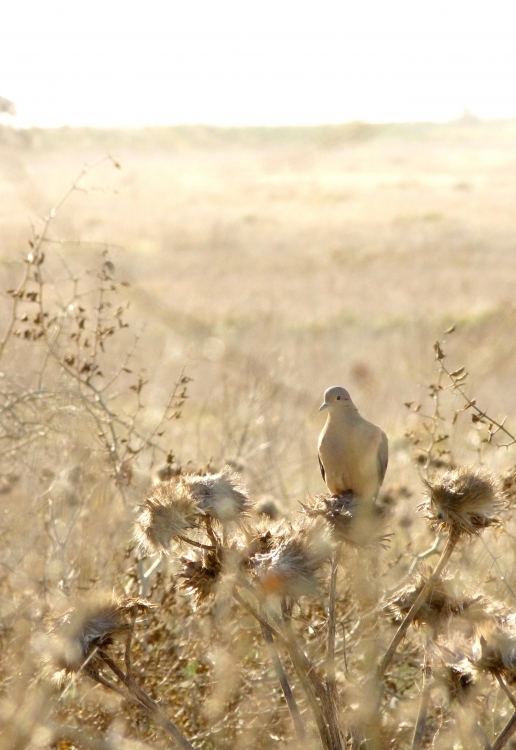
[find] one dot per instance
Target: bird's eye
(338, 398)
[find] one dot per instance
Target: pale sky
(249, 62)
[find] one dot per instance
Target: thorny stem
(409, 617)
(153, 710)
(312, 686)
(506, 733)
(322, 707)
(332, 618)
(263, 622)
(482, 736)
(419, 729)
(470, 404)
(186, 539)
(505, 689)
(427, 553)
(285, 685)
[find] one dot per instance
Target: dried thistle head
(201, 572)
(292, 566)
(351, 521)
(166, 514)
(458, 678)
(465, 500)
(440, 605)
(90, 628)
(498, 651)
(221, 496)
(261, 537)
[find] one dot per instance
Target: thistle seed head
(441, 604)
(91, 627)
(465, 500)
(201, 572)
(498, 651)
(351, 521)
(458, 679)
(292, 566)
(221, 496)
(167, 513)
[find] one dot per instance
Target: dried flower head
(221, 496)
(498, 650)
(201, 572)
(440, 605)
(458, 678)
(352, 521)
(292, 566)
(91, 628)
(166, 514)
(465, 500)
(261, 537)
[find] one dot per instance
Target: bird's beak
(323, 406)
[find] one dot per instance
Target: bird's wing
(382, 457)
(321, 467)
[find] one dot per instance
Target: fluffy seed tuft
(498, 650)
(351, 521)
(465, 500)
(91, 627)
(292, 565)
(458, 679)
(221, 496)
(166, 514)
(440, 606)
(200, 573)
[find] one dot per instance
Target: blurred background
(310, 194)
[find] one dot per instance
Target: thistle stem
(423, 594)
(153, 710)
(332, 619)
(425, 699)
(285, 685)
(505, 734)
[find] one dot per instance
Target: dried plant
(90, 629)
(166, 515)
(201, 573)
(441, 604)
(292, 566)
(351, 521)
(465, 500)
(222, 496)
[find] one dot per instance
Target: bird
(353, 453)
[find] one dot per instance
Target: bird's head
(336, 397)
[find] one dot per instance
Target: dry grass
(271, 264)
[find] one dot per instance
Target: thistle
(458, 678)
(89, 630)
(292, 566)
(441, 603)
(465, 500)
(221, 496)
(351, 521)
(165, 515)
(200, 573)
(498, 651)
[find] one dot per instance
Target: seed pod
(221, 496)
(165, 515)
(292, 566)
(465, 500)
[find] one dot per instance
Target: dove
(353, 453)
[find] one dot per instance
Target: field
(185, 306)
